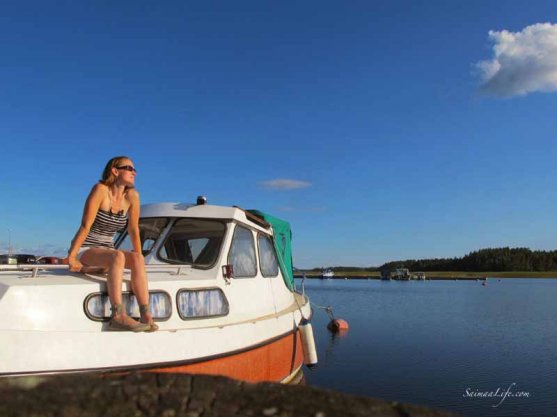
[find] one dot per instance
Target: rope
(328, 310)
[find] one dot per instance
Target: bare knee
(136, 261)
(118, 259)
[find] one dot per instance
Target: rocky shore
(172, 395)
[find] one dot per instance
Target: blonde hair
(108, 178)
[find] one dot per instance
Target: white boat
(221, 291)
(327, 274)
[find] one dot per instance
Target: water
(440, 343)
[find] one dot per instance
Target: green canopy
(283, 244)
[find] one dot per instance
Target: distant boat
(402, 274)
(420, 276)
(328, 274)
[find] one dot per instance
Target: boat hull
(276, 361)
(267, 348)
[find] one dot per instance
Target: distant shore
(434, 275)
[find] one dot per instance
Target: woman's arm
(133, 220)
(90, 210)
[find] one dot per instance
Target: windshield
(195, 242)
(149, 231)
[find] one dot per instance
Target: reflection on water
(326, 353)
(440, 343)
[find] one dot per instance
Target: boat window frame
(125, 234)
(255, 250)
(270, 237)
(169, 227)
(128, 293)
(181, 290)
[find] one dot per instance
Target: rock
(174, 395)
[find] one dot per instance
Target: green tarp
(283, 245)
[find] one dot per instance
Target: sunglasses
(127, 168)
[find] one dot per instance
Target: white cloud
(284, 184)
(523, 62)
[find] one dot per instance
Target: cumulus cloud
(284, 184)
(523, 62)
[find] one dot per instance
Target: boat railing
(36, 268)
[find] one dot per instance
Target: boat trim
(35, 269)
(254, 218)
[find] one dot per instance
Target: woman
(113, 203)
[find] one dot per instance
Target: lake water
(441, 343)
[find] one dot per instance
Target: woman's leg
(140, 286)
(114, 261)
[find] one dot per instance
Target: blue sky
(393, 140)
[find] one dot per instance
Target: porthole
(201, 303)
(97, 305)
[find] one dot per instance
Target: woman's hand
(75, 265)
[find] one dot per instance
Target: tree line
(490, 259)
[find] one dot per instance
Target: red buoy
(337, 325)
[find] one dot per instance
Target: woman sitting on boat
(111, 204)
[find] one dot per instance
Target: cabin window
(149, 231)
(201, 303)
(242, 253)
(267, 256)
(97, 305)
(195, 242)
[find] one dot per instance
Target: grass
(491, 274)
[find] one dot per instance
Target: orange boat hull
(275, 361)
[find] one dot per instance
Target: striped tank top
(105, 226)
